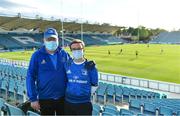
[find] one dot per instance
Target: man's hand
(35, 105)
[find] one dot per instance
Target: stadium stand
(156, 106)
(14, 40)
(148, 107)
(108, 97)
(167, 38)
(118, 94)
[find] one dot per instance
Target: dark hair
(76, 41)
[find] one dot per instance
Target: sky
(149, 13)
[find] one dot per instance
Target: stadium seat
(101, 93)
(135, 105)
(163, 110)
(107, 114)
(126, 94)
(149, 109)
(3, 89)
(20, 93)
(97, 107)
(12, 88)
(110, 93)
(2, 101)
(178, 113)
(118, 94)
(110, 107)
(12, 110)
(95, 112)
(124, 112)
(111, 111)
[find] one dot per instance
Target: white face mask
(51, 45)
(77, 54)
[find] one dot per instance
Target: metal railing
(139, 82)
(14, 62)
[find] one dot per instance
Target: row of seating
(31, 40)
(156, 106)
(117, 93)
(11, 110)
(13, 83)
(110, 110)
(167, 37)
(11, 89)
(13, 71)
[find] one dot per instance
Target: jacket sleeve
(31, 78)
(94, 77)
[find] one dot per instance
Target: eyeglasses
(76, 48)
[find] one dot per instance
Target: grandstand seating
(167, 37)
(149, 107)
(12, 82)
(13, 40)
(156, 106)
(109, 109)
(141, 102)
(12, 110)
(114, 93)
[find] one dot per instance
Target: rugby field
(156, 62)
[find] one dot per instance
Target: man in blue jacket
(82, 77)
(46, 77)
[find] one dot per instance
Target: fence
(151, 84)
(14, 62)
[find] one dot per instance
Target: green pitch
(156, 62)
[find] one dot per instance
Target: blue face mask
(51, 45)
(77, 54)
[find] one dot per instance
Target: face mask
(51, 45)
(77, 54)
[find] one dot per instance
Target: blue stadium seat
(126, 94)
(118, 94)
(157, 95)
(149, 109)
(126, 112)
(178, 113)
(12, 89)
(3, 89)
(135, 105)
(95, 112)
(110, 106)
(97, 107)
(163, 110)
(2, 101)
(12, 110)
(101, 93)
(110, 93)
(111, 111)
(20, 93)
(107, 114)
